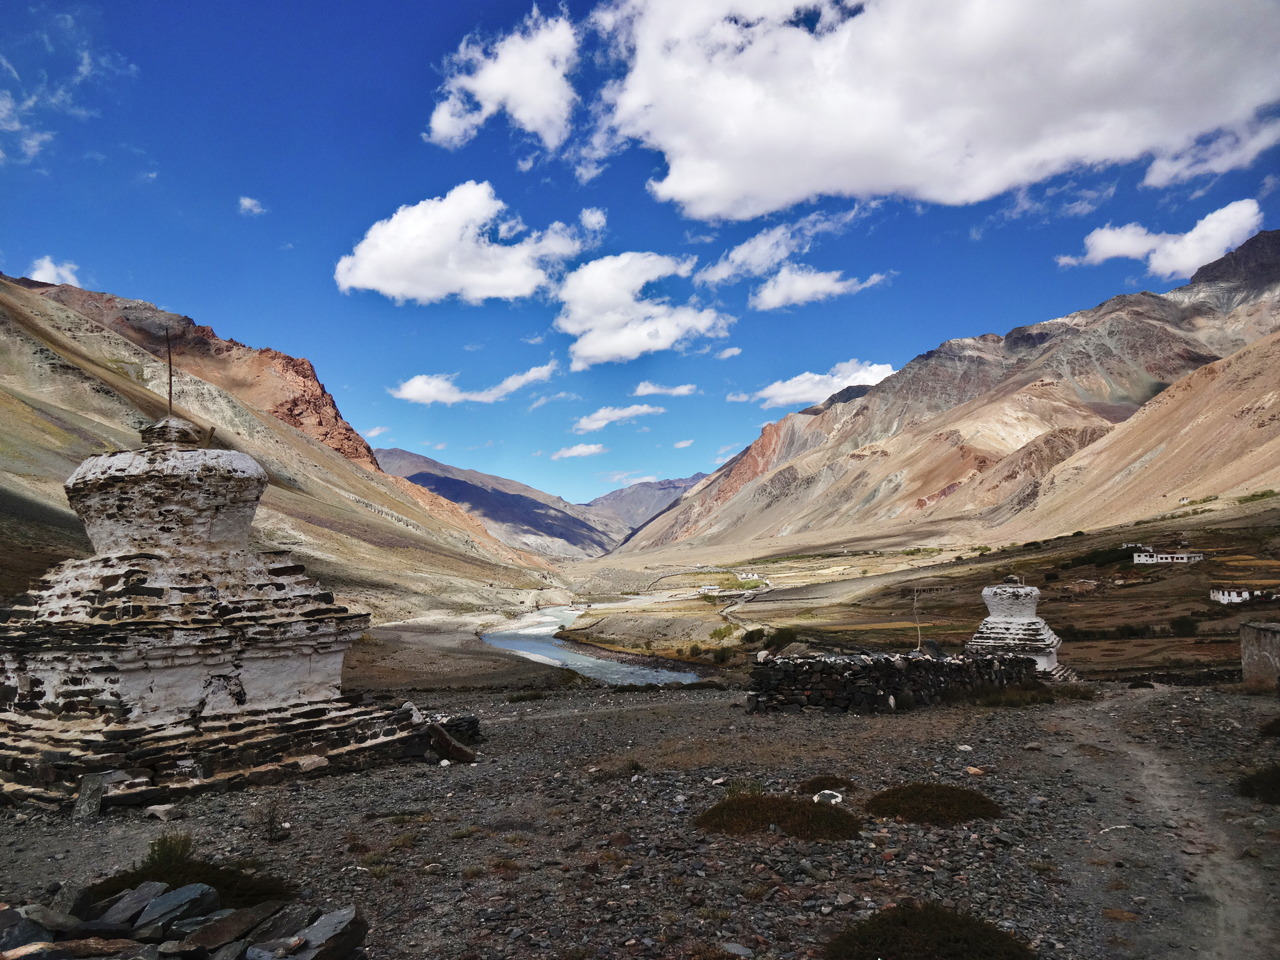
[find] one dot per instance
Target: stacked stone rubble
(186, 923)
(875, 684)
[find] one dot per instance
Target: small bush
(925, 931)
(695, 649)
(1262, 784)
(720, 633)
(1254, 497)
(936, 803)
(1271, 728)
(826, 782)
(780, 638)
(170, 860)
(753, 636)
(1184, 626)
(721, 655)
(803, 819)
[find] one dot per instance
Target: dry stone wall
(876, 684)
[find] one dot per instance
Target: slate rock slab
(129, 906)
(193, 900)
(17, 930)
(234, 926)
(285, 923)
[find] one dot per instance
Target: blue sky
(584, 244)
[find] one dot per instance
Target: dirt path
(1170, 835)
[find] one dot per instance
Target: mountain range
(1102, 417)
(532, 520)
(81, 372)
(1097, 418)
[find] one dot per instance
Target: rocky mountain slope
(80, 372)
(971, 433)
(530, 519)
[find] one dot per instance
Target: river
(534, 637)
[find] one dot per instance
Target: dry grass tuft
(1262, 784)
(753, 813)
(936, 803)
(926, 930)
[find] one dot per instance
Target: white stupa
(1012, 627)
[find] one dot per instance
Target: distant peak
(1257, 260)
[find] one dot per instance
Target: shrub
(170, 859)
(936, 803)
(721, 655)
(926, 931)
(695, 649)
(719, 633)
(780, 638)
(1184, 626)
(1253, 497)
(1271, 728)
(1262, 784)
(755, 635)
(803, 819)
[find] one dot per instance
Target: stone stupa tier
(1012, 627)
(173, 632)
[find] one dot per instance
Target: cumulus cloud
(455, 245)
(250, 207)
(806, 388)
(682, 444)
(796, 284)
(739, 397)
(760, 254)
(604, 310)
(46, 271)
(949, 103)
(439, 388)
(593, 219)
(607, 415)
(376, 432)
(646, 388)
(580, 450)
(1170, 255)
(524, 73)
(728, 352)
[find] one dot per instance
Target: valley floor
(573, 835)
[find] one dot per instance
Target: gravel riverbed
(573, 836)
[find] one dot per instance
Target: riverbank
(441, 652)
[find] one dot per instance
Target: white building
(1225, 594)
(1167, 556)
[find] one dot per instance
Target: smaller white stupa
(1012, 626)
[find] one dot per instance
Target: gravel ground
(572, 837)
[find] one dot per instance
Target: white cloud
(524, 73)
(766, 250)
(562, 395)
(739, 398)
(607, 415)
(580, 450)
(604, 310)
(682, 444)
(454, 246)
(647, 389)
(728, 352)
(806, 388)
(628, 477)
(593, 219)
(376, 432)
(439, 388)
(250, 207)
(46, 271)
(1171, 255)
(796, 284)
(950, 103)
